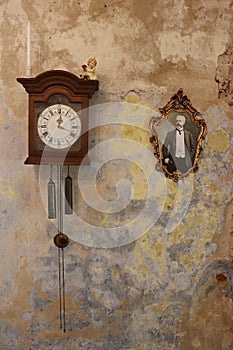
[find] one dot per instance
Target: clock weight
(51, 197)
(68, 194)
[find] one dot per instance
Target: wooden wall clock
(58, 135)
(58, 117)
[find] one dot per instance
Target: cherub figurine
(89, 70)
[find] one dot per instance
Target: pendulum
(61, 241)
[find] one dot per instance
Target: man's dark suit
(169, 151)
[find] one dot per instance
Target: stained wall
(166, 281)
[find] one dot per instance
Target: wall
(169, 285)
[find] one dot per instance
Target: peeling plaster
(162, 290)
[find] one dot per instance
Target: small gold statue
(89, 70)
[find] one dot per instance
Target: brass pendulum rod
(62, 301)
(61, 241)
(60, 287)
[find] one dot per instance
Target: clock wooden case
(58, 117)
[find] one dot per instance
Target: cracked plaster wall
(165, 290)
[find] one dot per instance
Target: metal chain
(59, 198)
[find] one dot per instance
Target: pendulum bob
(61, 240)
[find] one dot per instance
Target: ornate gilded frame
(195, 125)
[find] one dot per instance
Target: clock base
(57, 161)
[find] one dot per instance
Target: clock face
(59, 126)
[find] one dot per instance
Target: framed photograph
(177, 137)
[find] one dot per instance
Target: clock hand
(59, 121)
(62, 128)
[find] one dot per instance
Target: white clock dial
(59, 126)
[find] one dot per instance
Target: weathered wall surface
(171, 288)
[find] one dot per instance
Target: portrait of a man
(177, 136)
(179, 147)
